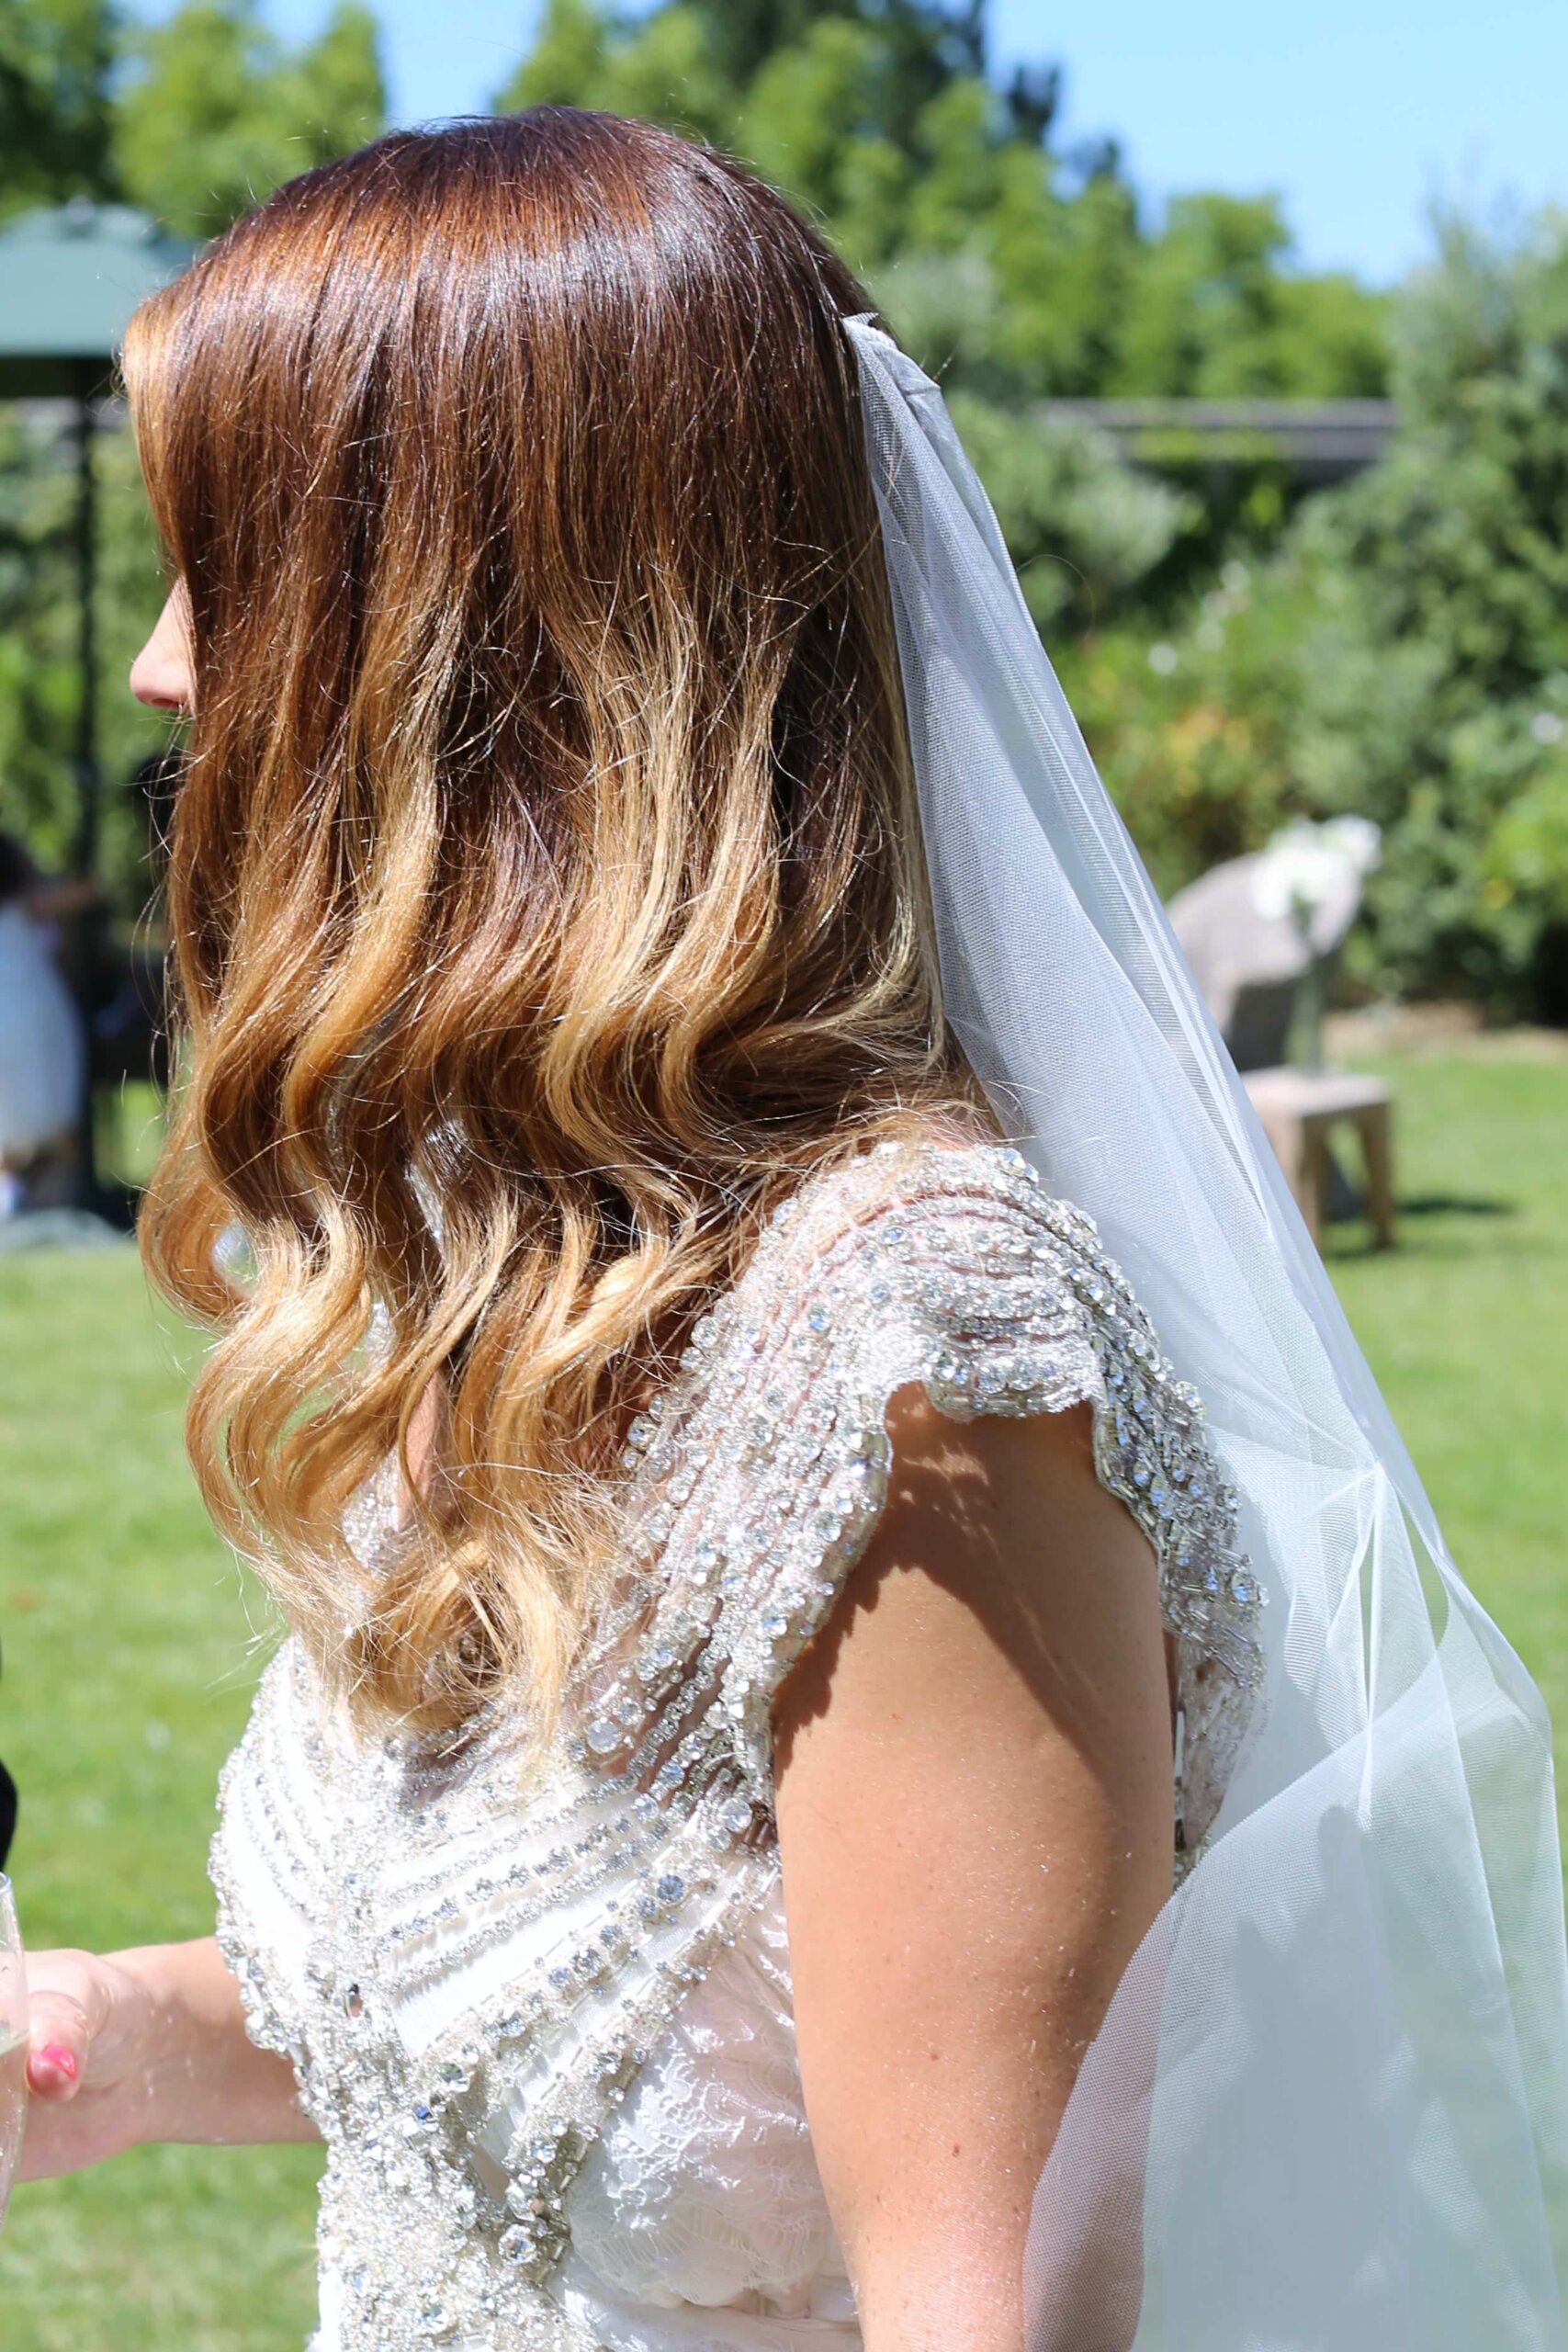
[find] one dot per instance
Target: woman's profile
(777, 1665)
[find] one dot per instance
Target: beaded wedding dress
(546, 2031)
(548, 2035)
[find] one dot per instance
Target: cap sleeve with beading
(756, 1482)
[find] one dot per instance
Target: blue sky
(1357, 111)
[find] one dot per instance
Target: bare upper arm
(975, 1802)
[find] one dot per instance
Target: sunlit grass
(129, 1662)
(1466, 1324)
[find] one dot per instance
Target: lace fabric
(547, 2033)
(705, 2192)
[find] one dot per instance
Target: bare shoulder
(999, 1559)
(974, 1769)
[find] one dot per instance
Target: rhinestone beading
(467, 1974)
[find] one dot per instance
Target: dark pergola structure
(1315, 442)
(70, 278)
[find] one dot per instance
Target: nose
(161, 673)
(161, 680)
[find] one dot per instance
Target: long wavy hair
(544, 887)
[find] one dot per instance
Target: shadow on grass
(1348, 1234)
(1351, 1210)
(1454, 1205)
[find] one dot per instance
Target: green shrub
(1404, 655)
(38, 669)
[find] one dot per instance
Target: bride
(781, 1818)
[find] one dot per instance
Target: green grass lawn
(1466, 1326)
(129, 1661)
(129, 1646)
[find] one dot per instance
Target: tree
(809, 123)
(195, 118)
(1021, 270)
(1215, 312)
(39, 673)
(212, 113)
(56, 58)
(1014, 267)
(566, 65)
(1434, 675)
(701, 58)
(218, 111)
(1403, 655)
(1084, 529)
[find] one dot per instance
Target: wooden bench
(1299, 1108)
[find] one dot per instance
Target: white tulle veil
(1326, 2111)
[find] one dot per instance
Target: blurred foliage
(1083, 528)
(1238, 652)
(1437, 669)
(192, 118)
(1016, 269)
(1021, 269)
(195, 118)
(38, 670)
(215, 110)
(1191, 730)
(56, 58)
(1403, 653)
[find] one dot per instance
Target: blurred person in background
(42, 1044)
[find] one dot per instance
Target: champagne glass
(13, 2041)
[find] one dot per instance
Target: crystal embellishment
(468, 1971)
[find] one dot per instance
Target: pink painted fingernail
(54, 2053)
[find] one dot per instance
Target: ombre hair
(545, 885)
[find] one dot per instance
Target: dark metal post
(86, 533)
(88, 926)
